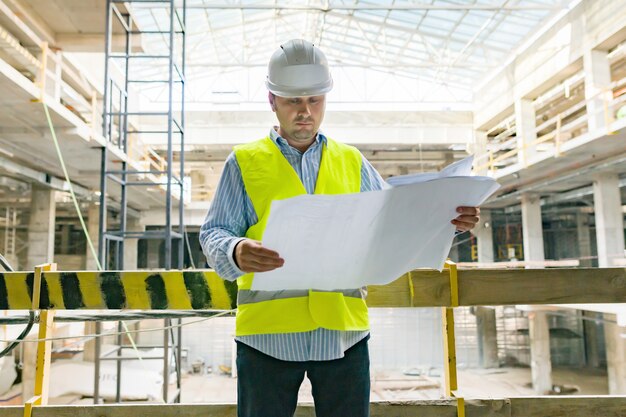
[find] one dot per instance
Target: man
(283, 335)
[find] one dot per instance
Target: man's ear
(272, 99)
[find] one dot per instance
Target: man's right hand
(251, 256)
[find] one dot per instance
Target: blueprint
(332, 242)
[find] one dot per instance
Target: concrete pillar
(615, 355)
(484, 236)
(592, 354)
(154, 254)
(130, 245)
(487, 337)
(539, 331)
(65, 238)
(532, 229)
(486, 317)
(584, 239)
(609, 218)
(526, 130)
(41, 227)
(597, 79)
(93, 228)
(89, 350)
(540, 363)
(479, 149)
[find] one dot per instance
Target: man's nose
(304, 109)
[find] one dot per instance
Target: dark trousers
(268, 387)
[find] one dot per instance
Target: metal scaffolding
(123, 120)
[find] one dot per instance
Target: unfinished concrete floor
(388, 385)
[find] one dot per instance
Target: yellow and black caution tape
(115, 290)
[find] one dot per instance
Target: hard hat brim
(284, 91)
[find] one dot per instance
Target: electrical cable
(193, 264)
(70, 186)
(460, 242)
(15, 343)
(5, 264)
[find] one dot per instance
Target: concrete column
(532, 229)
(540, 363)
(65, 238)
(130, 245)
(539, 331)
(484, 235)
(592, 354)
(526, 130)
(41, 227)
(479, 149)
(486, 317)
(93, 228)
(609, 218)
(597, 79)
(154, 254)
(584, 239)
(615, 355)
(487, 337)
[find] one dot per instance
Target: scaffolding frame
(117, 129)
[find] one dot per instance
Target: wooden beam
(585, 406)
(203, 289)
(580, 406)
(542, 286)
(504, 287)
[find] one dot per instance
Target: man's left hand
(467, 219)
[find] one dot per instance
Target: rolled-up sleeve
(226, 222)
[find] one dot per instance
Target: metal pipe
(124, 146)
(181, 128)
(118, 382)
(170, 154)
(355, 7)
(179, 355)
(166, 359)
(96, 379)
(103, 163)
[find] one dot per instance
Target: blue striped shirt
(231, 214)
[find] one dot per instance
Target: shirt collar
(280, 141)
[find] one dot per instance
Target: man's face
(299, 118)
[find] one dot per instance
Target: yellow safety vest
(268, 176)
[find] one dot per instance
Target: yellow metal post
(449, 344)
(44, 347)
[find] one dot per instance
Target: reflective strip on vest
(250, 296)
(268, 176)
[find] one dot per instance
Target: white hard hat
(298, 69)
